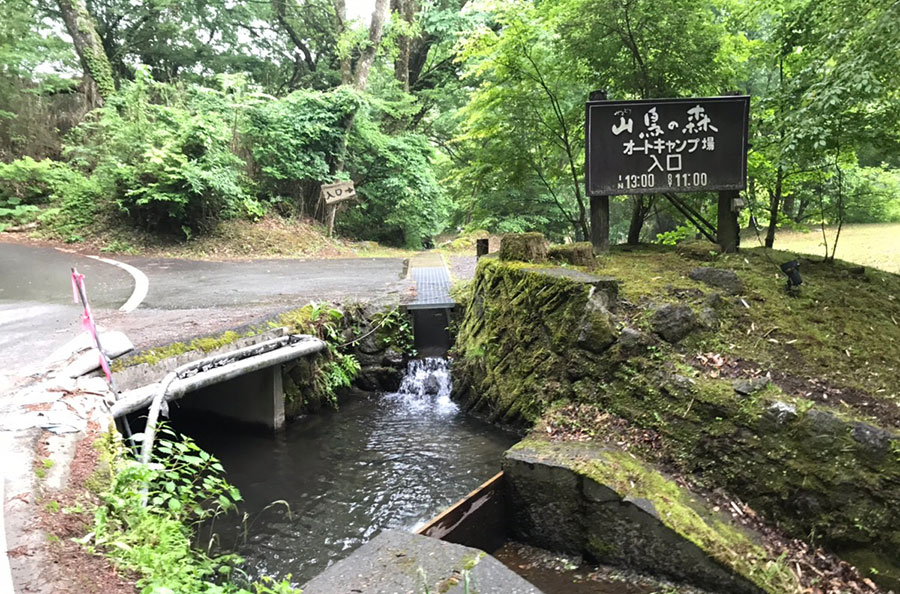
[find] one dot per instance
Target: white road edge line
(6, 581)
(141, 283)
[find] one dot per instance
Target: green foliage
(326, 322)
(402, 202)
(165, 157)
(294, 141)
(149, 512)
(25, 184)
(393, 329)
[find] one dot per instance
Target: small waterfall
(426, 385)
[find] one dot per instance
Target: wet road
(185, 298)
(37, 313)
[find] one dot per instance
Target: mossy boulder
(523, 247)
(815, 470)
(586, 498)
(577, 254)
(727, 280)
(673, 321)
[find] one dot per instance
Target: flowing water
(381, 461)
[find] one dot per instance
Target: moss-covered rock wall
(535, 335)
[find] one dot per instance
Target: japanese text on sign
(636, 147)
(338, 192)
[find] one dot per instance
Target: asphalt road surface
(185, 298)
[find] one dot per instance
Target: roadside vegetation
(449, 117)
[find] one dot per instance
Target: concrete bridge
(243, 384)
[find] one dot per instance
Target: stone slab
(396, 562)
(595, 500)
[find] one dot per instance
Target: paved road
(185, 284)
(36, 308)
(185, 298)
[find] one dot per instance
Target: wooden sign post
(664, 146)
(333, 195)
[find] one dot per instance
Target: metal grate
(432, 287)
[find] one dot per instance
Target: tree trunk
(406, 10)
(340, 11)
(360, 80)
(600, 223)
(638, 212)
(787, 206)
(774, 203)
(801, 210)
(89, 47)
(367, 57)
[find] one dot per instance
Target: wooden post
(600, 223)
(482, 247)
(332, 210)
(727, 229)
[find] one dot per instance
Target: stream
(332, 480)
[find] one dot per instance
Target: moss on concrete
(825, 473)
(677, 509)
(577, 254)
(523, 247)
(204, 344)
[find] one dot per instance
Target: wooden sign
(666, 145)
(334, 193)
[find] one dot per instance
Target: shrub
(401, 202)
(165, 156)
(294, 141)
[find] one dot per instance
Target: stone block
(398, 562)
(523, 247)
(583, 498)
(548, 501)
(726, 280)
(673, 322)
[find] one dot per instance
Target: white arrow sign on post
(334, 193)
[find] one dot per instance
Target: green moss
(811, 469)
(523, 247)
(677, 508)
(205, 345)
(577, 254)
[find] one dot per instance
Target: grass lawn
(876, 245)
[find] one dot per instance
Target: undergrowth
(149, 514)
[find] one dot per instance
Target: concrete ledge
(135, 400)
(395, 562)
(584, 498)
(142, 374)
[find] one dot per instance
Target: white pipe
(216, 375)
(135, 400)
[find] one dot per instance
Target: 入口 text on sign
(333, 193)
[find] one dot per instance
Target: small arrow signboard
(334, 193)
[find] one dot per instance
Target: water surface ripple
(381, 461)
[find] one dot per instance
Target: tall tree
(94, 60)
(627, 48)
(531, 101)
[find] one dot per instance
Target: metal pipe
(137, 399)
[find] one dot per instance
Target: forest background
(166, 117)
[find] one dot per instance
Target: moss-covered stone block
(580, 253)
(523, 247)
(822, 472)
(586, 498)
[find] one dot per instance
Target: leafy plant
(149, 512)
(394, 330)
